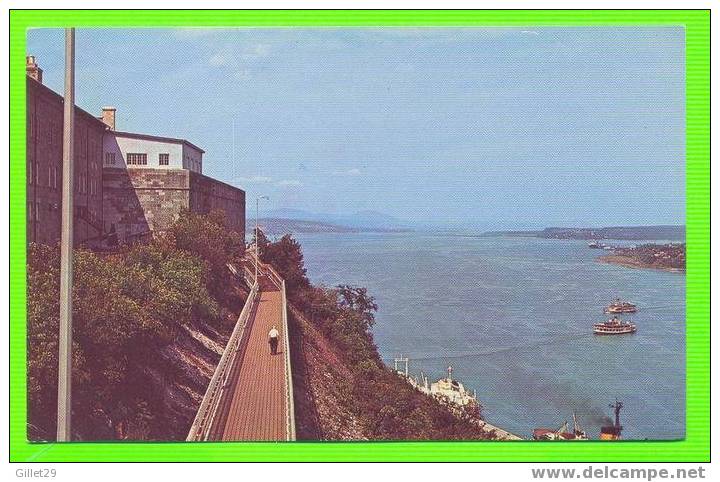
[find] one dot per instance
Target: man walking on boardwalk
(273, 336)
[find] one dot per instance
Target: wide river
(514, 316)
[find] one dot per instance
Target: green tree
(207, 237)
(260, 239)
(109, 326)
(357, 300)
(286, 256)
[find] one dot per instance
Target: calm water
(513, 317)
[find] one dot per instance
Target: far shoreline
(629, 262)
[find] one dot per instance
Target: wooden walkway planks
(258, 407)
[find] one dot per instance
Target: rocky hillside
(320, 379)
(336, 401)
(150, 322)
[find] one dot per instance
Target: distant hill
(280, 226)
(664, 232)
(512, 234)
(363, 220)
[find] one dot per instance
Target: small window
(109, 158)
(136, 159)
(164, 159)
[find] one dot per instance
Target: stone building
(140, 201)
(44, 138)
(141, 151)
(125, 183)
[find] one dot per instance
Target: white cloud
(217, 60)
(236, 61)
(350, 172)
(288, 182)
(530, 32)
(253, 179)
(255, 51)
(242, 74)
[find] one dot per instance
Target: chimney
(32, 69)
(108, 117)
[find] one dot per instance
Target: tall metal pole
(64, 403)
(257, 245)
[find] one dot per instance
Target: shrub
(126, 307)
(206, 237)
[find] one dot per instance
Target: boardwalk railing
(200, 428)
(290, 404)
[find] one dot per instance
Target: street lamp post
(257, 246)
(64, 400)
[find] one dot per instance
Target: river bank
(630, 262)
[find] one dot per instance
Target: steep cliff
(335, 400)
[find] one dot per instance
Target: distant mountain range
(664, 232)
(280, 226)
(287, 220)
(360, 220)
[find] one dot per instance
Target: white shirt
(273, 333)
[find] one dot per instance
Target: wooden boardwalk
(254, 405)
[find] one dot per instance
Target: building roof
(34, 83)
(171, 140)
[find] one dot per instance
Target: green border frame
(695, 447)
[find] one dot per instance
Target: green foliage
(260, 239)
(127, 306)
(345, 314)
(286, 257)
(656, 255)
(108, 324)
(177, 283)
(207, 237)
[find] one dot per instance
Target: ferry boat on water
(453, 391)
(620, 306)
(454, 395)
(444, 389)
(561, 433)
(613, 432)
(614, 326)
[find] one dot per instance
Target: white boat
(614, 326)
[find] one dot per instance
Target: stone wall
(140, 201)
(207, 194)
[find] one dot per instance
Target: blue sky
(495, 128)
